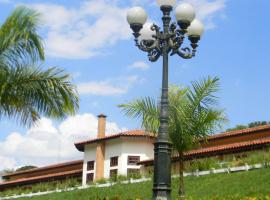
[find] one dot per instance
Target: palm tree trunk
(181, 177)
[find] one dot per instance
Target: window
(89, 177)
(113, 173)
(132, 172)
(132, 160)
(114, 161)
(90, 165)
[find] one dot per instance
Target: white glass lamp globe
(196, 28)
(146, 32)
(166, 3)
(136, 15)
(185, 12)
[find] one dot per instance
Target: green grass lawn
(251, 185)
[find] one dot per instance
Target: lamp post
(165, 42)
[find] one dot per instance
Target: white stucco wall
(112, 148)
(89, 155)
(135, 147)
(121, 147)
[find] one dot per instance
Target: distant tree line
(250, 125)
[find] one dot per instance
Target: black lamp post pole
(163, 43)
(162, 156)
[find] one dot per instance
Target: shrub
(41, 187)
(72, 182)
(203, 164)
(101, 181)
(122, 178)
(135, 176)
(262, 157)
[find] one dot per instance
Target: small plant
(101, 181)
(203, 164)
(135, 176)
(122, 178)
(149, 173)
(72, 182)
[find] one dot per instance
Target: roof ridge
(114, 134)
(265, 140)
(134, 133)
(43, 167)
(41, 176)
(239, 132)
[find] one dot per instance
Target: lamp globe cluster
(184, 14)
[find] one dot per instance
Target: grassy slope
(215, 187)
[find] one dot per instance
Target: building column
(100, 150)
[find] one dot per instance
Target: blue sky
(92, 41)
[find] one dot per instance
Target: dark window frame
(89, 177)
(114, 161)
(132, 160)
(90, 165)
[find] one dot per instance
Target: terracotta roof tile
(239, 132)
(80, 145)
(218, 150)
(44, 168)
(228, 146)
(39, 178)
(131, 133)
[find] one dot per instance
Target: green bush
(72, 183)
(101, 181)
(262, 157)
(122, 178)
(203, 165)
(41, 187)
(135, 176)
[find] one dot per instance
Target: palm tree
(192, 116)
(26, 90)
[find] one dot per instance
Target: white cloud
(101, 88)
(75, 75)
(206, 10)
(139, 65)
(5, 1)
(109, 87)
(84, 31)
(88, 127)
(7, 163)
(46, 143)
(88, 29)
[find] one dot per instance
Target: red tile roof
(239, 132)
(219, 150)
(44, 168)
(37, 179)
(140, 133)
(132, 133)
(228, 146)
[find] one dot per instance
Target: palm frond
(26, 92)
(145, 109)
(192, 113)
(202, 93)
(19, 40)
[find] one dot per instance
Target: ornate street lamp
(162, 43)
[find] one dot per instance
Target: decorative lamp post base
(162, 184)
